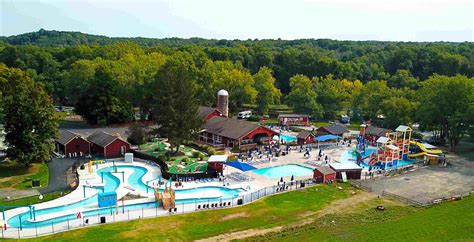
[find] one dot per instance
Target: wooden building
(323, 174)
(305, 138)
(293, 119)
(72, 144)
(352, 170)
(222, 132)
(372, 133)
(335, 129)
(206, 113)
(108, 145)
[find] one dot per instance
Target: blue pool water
(350, 156)
(111, 184)
(287, 138)
(284, 170)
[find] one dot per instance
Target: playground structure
(425, 149)
(92, 163)
(361, 147)
(401, 138)
(167, 197)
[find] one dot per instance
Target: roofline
(115, 140)
(75, 137)
(255, 129)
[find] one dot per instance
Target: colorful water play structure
(393, 149)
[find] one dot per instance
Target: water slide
(424, 150)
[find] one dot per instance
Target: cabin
(293, 119)
(206, 113)
(335, 129)
(216, 162)
(108, 145)
(348, 169)
(304, 138)
(223, 132)
(324, 174)
(72, 144)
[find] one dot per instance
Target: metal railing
(121, 214)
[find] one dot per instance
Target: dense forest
(107, 79)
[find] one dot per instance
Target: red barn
(108, 145)
(206, 113)
(305, 138)
(351, 170)
(293, 119)
(72, 144)
(335, 129)
(324, 174)
(222, 132)
(373, 133)
(216, 162)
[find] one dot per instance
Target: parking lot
(428, 183)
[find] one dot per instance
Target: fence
(410, 201)
(151, 210)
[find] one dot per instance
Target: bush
(254, 118)
(185, 160)
(196, 154)
(211, 150)
(201, 156)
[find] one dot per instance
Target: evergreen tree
(175, 102)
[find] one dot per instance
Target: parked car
(244, 114)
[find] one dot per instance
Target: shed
(335, 129)
(216, 162)
(324, 174)
(352, 170)
(108, 145)
(293, 119)
(72, 144)
(305, 138)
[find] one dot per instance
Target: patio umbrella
(292, 178)
(281, 179)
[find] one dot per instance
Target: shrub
(201, 156)
(196, 154)
(211, 150)
(185, 160)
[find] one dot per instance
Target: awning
(217, 158)
(327, 137)
(239, 165)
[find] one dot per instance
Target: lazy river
(89, 205)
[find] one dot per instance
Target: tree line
(108, 79)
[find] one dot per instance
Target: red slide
(372, 161)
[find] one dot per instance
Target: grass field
(300, 216)
(19, 177)
(31, 200)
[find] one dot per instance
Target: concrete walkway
(16, 194)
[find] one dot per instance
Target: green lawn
(448, 221)
(264, 213)
(31, 200)
(360, 222)
(19, 177)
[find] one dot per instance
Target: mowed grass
(268, 212)
(18, 176)
(444, 222)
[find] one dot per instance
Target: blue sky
(396, 20)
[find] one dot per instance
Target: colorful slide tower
(361, 147)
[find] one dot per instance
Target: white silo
(223, 102)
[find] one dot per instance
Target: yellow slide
(424, 149)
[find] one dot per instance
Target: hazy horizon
(392, 20)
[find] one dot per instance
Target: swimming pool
(287, 138)
(111, 183)
(350, 156)
(284, 170)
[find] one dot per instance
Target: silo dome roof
(222, 93)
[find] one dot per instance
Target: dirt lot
(429, 183)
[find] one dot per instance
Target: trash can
(35, 183)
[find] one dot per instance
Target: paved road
(16, 194)
(58, 176)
